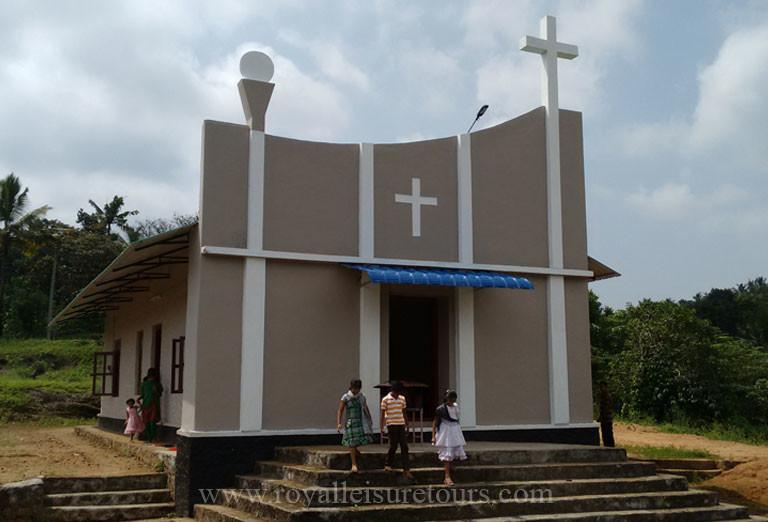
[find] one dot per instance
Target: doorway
(418, 347)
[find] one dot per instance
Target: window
(106, 372)
(177, 366)
(139, 356)
(157, 342)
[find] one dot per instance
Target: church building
(458, 263)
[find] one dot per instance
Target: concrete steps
(315, 496)
(499, 482)
(131, 497)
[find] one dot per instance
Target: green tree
(103, 219)
(14, 220)
(151, 227)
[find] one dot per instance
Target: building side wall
(509, 192)
(311, 343)
(164, 304)
(312, 197)
(572, 187)
(214, 320)
(511, 360)
(579, 350)
(434, 162)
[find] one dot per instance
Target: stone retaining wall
(22, 501)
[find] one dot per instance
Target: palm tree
(14, 220)
(103, 219)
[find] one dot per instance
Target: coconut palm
(104, 218)
(14, 220)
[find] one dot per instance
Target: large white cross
(550, 50)
(416, 200)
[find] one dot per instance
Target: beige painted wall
(142, 314)
(311, 202)
(509, 192)
(214, 333)
(511, 362)
(579, 351)
(311, 342)
(434, 162)
(572, 188)
(224, 184)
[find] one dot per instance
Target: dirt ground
(746, 481)
(28, 452)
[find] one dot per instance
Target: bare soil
(29, 451)
(748, 481)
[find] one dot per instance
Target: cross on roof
(550, 50)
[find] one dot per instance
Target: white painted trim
(328, 431)
(370, 346)
(252, 363)
(558, 352)
(324, 258)
(255, 238)
(465, 346)
(366, 200)
(464, 154)
(576, 425)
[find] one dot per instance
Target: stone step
(693, 475)
(95, 484)
(696, 514)
(273, 509)
(124, 512)
(313, 496)
(493, 473)
(217, 513)
(110, 498)
(422, 455)
(685, 463)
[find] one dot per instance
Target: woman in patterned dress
(358, 426)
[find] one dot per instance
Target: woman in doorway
(358, 426)
(151, 390)
(447, 435)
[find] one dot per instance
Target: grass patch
(41, 379)
(737, 430)
(669, 452)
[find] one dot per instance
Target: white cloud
(728, 122)
(509, 79)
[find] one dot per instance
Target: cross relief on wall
(416, 200)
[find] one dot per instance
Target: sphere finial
(255, 65)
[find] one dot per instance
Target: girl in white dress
(447, 435)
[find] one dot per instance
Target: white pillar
(466, 247)
(366, 201)
(370, 345)
(465, 355)
(254, 295)
(252, 363)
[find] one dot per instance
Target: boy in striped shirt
(395, 422)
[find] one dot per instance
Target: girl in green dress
(151, 390)
(358, 426)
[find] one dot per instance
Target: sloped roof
(138, 262)
(600, 270)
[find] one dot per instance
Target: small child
(447, 435)
(133, 422)
(394, 421)
(358, 424)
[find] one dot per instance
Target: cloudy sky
(101, 98)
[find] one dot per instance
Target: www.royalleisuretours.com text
(340, 495)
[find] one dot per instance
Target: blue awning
(402, 275)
